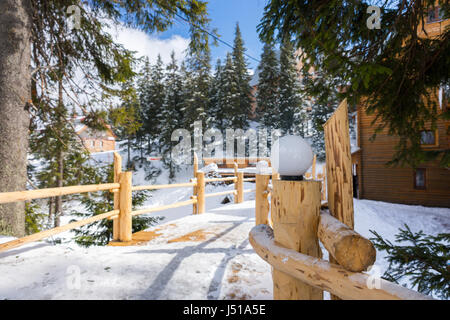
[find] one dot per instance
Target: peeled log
(350, 249)
(324, 275)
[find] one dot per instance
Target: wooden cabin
(429, 184)
(95, 140)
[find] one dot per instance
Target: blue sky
(224, 14)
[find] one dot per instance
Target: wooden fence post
(125, 203)
(313, 170)
(200, 192)
(117, 171)
(194, 191)
(239, 186)
(295, 215)
(262, 199)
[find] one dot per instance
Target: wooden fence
(289, 238)
(123, 188)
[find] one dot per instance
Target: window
(429, 138)
(92, 143)
(101, 144)
(434, 14)
(420, 179)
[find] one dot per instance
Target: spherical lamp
(291, 156)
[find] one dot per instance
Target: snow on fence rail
(122, 213)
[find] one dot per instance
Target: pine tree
(421, 258)
(240, 118)
(151, 99)
(229, 98)
(268, 97)
(290, 106)
(172, 114)
(197, 87)
(215, 117)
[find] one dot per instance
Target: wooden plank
(15, 196)
(262, 205)
(47, 233)
(339, 167)
(295, 216)
(239, 185)
(322, 274)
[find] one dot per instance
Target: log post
(200, 192)
(117, 171)
(313, 170)
(295, 214)
(239, 186)
(125, 203)
(262, 199)
(194, 191)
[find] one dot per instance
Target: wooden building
(95, 140)
(429, 184)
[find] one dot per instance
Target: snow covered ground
(194, 257)
(205, 256)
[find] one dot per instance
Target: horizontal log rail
(350, 249)
(220, 179)
(47, 233)
(249, 179)
(164, 186)
(324, 275)
(209, 195)
(161, 208)
(248, 190)
(15, 196)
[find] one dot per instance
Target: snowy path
(196, 257)
(204, 256)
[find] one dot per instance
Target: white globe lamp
(291, 157)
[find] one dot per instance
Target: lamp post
(295, 213)
(291, 156)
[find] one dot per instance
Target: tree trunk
(15, 81)
(60, 177)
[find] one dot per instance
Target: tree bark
(15, 82)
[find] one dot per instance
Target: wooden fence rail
(122, 213)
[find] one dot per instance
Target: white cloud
(150, 46)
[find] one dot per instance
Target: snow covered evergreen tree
(172, 116)
(290, 107)
(240, 115)
(268, 98)
(151, 98)
(215, 119)
(229, 98)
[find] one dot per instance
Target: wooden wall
(395, 184)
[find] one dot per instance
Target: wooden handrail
(47, 233)
(249, 190)
(208, 195)
(324, 275)
(15, 196)
(221, 179)
(164, 186)
(161, 208)
(249, 179)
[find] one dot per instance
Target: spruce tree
(215, 117)
(240, 118)
(172, 114)
(290, 106)
(268, 97)
(229, 98)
